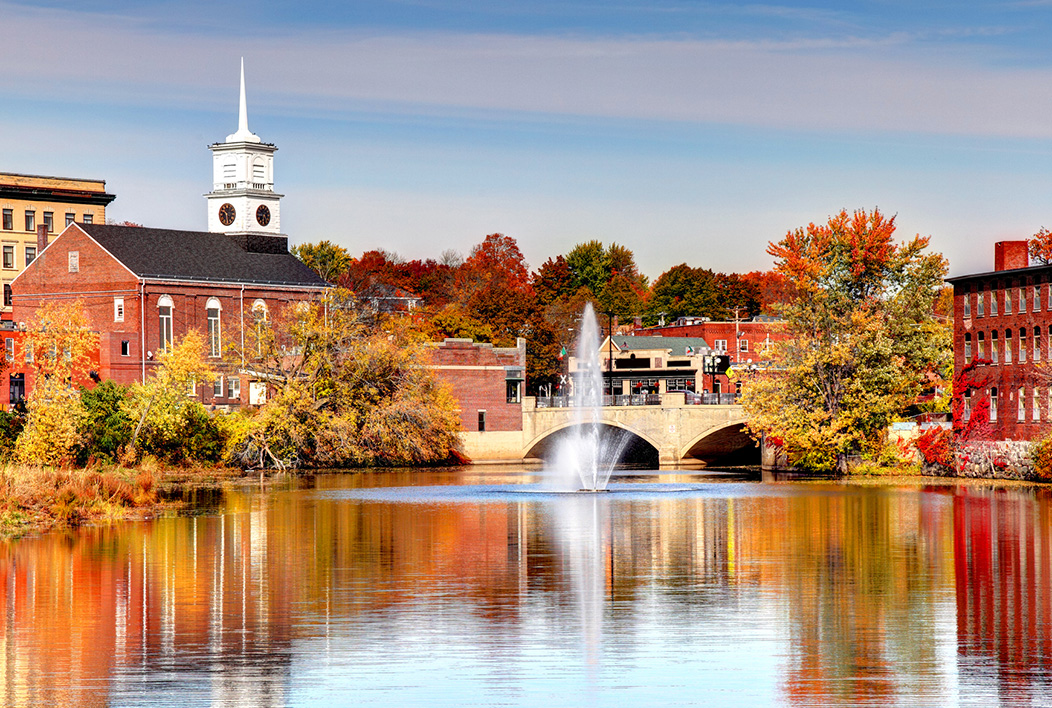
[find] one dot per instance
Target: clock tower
(243, 201)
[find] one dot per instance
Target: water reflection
(728, 594)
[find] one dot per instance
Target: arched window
(215, 341)
(968, 348)
(259, 317)
(1008, 346)
(259, 171)
(995, 355)
(981, 346)
(1037, 344)
(164, 315)
(1022, 345)
(259, 310)
(993, 405)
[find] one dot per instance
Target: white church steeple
(243, 200)
(243, 134)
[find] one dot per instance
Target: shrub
(1041, 456)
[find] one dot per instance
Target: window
(118, 309)
(993, 405)
(9, 348)
(1021, 406)
(191, 387)
(259, 171)
(967, 304)
(9, 255)
(1037, 298)
(721, 345)
(1035, 406)
(1008, 301)
(233, 387)
(70, 218)
(967, 348)
(31, 220)
(74, 261)
(994, 353)
(125, 347)
(9, 220)
(1022, 346)
(31, 254)
(981, 347)
(513, 392)
(980, 305)
(215, 344)
(229, 171)
(482, 421)
(164, 331)
(1008, 346)
(993, 303)
(86, 219)
(1022, 300)
(217, 387)
(967, 406)
(8, 295)
(49, 221)
(743, 345)
(1037, 344)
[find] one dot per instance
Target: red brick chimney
(41, 238)
(1009, 255)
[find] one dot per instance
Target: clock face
(263, 215)
(227, 214)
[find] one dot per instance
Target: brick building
(487, 382)
(30, 202)
(145, 288)
(1003, 319)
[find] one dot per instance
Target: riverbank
(38, 499)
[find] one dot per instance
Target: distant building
(1003, 318)
(745, 341)
(383, 299)
(29, 203)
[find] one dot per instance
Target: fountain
(586, 456)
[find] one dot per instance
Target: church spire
(243, 134)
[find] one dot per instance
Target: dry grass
(34, 498)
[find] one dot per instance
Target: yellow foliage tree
(59, 343)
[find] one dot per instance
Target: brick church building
(145, 288)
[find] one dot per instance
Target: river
(474, 587)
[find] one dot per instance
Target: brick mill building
(1003, 319)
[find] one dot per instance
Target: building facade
(744, 341)
(1002, 323)
(29, 203)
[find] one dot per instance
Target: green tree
(169, 424)
(325, 258)
(105, 428)
(683, 291)
(60, 343)
(860, 345)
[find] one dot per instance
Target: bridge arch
(639, 447)
(729, 442)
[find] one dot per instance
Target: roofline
(284, 284)
(79, 227)
(987, 274)
(72, 179)
(63, 195)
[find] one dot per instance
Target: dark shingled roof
(198, 255)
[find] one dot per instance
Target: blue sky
(687, 131)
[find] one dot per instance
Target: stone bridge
(670, 432)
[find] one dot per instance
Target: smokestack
(41, 238)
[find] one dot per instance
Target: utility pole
(737, 336)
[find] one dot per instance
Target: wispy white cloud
(888, 83)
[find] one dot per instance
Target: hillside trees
(861, 338)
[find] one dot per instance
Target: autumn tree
(168, 423)
(862, 339)
(59, 342)
(1040, 246)
(609, 276)
(348, 395)
(325, 258)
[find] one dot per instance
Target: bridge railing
(639, 399)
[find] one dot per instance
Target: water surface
(475, 587)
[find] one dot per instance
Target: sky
(687, 131)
